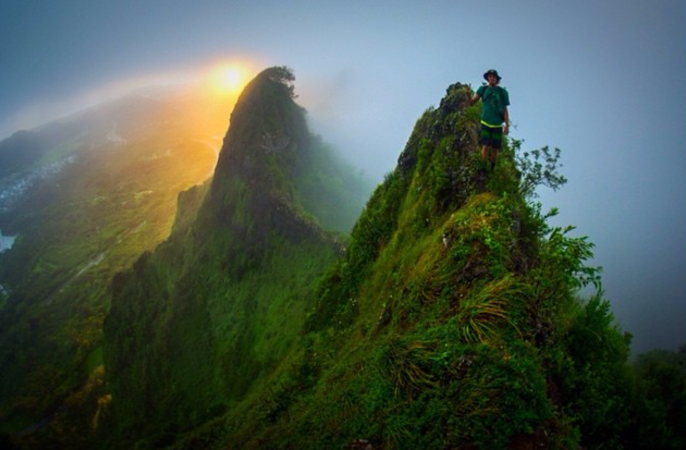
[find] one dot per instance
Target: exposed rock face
(258, 164)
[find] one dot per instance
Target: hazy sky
(600, 79)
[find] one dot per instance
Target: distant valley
(80, 199)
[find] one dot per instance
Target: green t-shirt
(495, 99)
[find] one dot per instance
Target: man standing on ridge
(493, 115)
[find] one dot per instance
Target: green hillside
(451, 322)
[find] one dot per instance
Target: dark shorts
(491, 137)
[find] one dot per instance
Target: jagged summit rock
(267, 127)
(266, 150)
(440, 123)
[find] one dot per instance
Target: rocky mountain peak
(267, 130)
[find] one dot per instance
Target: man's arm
(474, 99)
(506, 115)
(471, 100)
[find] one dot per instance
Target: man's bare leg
(489, 155)
(485, 154)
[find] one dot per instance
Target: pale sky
(599, 79)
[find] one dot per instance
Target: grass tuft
(482, 314)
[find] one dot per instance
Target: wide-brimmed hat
(492, 71)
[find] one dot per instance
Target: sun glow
(228, 79)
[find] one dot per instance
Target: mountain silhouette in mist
(227, 295)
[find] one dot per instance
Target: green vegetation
(450, 318)
(424, 335)
(660, 399)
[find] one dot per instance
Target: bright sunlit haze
(223, 82)
(229, 78)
